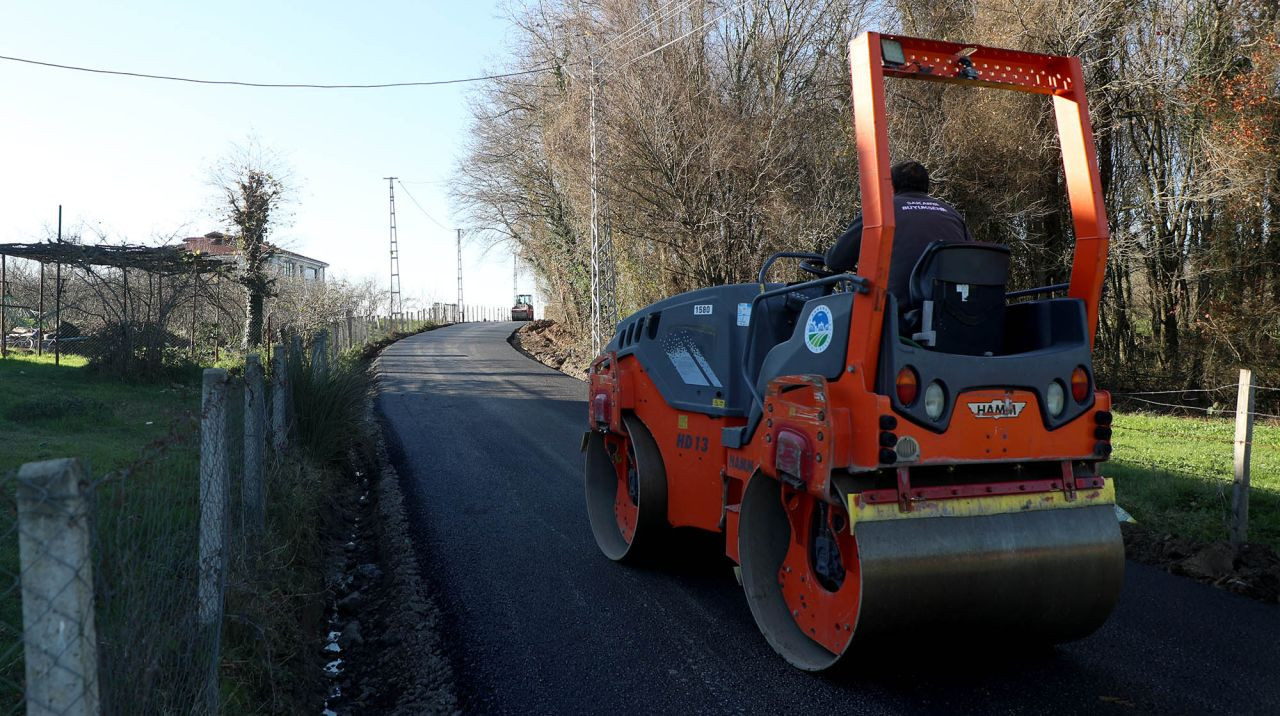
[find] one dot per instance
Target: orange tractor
(878, 468)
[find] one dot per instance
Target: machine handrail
(858, 283)
(1038, 290)
(768, 263)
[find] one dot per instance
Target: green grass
(1174, 474)
(68, 360)
(49, 411)
(145, 533)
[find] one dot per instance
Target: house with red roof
(287, 263)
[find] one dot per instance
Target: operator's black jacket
(920, 220)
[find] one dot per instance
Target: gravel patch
(385, 647)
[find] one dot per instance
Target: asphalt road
(486, 442)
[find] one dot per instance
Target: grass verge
(1173, 474)
(49, 411)
(140, 442)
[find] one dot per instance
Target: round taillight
(1055, 398)
(908, 385)
(935, 400)
(1079, 384)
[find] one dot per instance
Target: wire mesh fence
(113, 585)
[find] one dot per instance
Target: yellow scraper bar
(979, 506)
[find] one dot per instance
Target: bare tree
(724, 133)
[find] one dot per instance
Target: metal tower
(604, 304)
(397, 304)
(464, 316)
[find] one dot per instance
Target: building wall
(297, 267)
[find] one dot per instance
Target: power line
(415, 203)
(665, 12)
(699, 28)
(277, 85)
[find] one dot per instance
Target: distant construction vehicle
(523, 310)
(871, 478)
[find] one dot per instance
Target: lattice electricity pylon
(604, 301)
(397, 303)
(460, 303)
(608, 293)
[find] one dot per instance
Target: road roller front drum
(1044, 576)
(626, 491)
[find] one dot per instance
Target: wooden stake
(1244, 448)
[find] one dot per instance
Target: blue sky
(132, 157)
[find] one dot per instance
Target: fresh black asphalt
(486, 442)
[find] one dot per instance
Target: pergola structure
(158, 261)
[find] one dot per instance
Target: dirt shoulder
(549, 343)
(1252, 570)
(385, 649)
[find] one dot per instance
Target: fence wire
(154, 568)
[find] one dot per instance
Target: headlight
(1055, 398)
(935, 399)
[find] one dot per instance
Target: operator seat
(957, 298)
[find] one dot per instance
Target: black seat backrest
(959, 289)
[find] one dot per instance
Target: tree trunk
(253, 321)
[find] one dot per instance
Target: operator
(920, 220)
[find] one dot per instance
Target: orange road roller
(875, 468)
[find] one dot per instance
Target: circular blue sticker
(818, 330)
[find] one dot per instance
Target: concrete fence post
(215, 483)
(252, 488)
(320, 354)
(279, 402)
(58, 632)
(295, 347)
(1243, 454)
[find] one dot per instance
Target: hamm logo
(818, 330)
(997, 408)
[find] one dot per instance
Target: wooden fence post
(58, 631)
(1244, 450)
